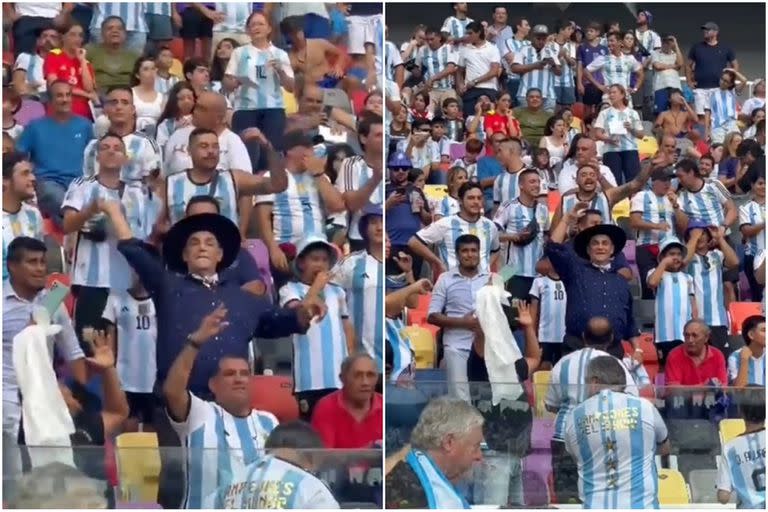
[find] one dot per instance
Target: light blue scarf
(441, 494)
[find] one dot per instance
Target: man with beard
(19, 217)
(28, 77)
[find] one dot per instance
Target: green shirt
(111, 69)
(532, 124)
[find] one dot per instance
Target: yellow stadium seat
(138, 465)
(291, 106)
(423, 345)
(731, 428)
(435, 192)
(540, 385)
(621, 209)
(647, 146)
(672, 488)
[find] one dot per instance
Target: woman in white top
(619, 127)
(221, 56)
(555, 138)
(147, 101)
(756, 101)
(177, 112)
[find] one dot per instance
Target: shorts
(592, 95)
(194, 25)
(159, 27)
(142, 406)
(551, 352)
(702, 99)
(362, 31)
(565, 95)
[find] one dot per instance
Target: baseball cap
(540, 30)
(648, 16)
(710, 25)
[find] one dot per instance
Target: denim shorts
(565, 95)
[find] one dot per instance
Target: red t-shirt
(681, 370)
(68, 69)
(339, 430)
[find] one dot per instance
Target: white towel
(47, 421)
(501, 349)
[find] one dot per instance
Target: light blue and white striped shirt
(28, 221)
(654, 209)
(444, 232)
(707, 273)
(567, 76)
(435, 61)
(354, 174)
(236, 15)
(143, 157)
(362, 277)
(506, 186)
(514, 217)
(673, 305)
(552, 301)
(402, 352)
(455, 27)
(272, 483)
(136, 322)
(298, 210)
(616, 70)
(132, 14)
(613, 438)
(707, 204)
(600, 203)
(514, 46)
(163, 85)
(32, 64)
(755, 368)
(742, 469)
(217, 443)
(100, 264)
(317, 355)
(392, 59)
(541, 79)
(260, 87)
(752, 214)
(447, 206)
(722, 108)
(160, 8)
(179, 189)
(612, 120)
(568, 385)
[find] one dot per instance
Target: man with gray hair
(445, 445)
(614, 439)
(696, 362)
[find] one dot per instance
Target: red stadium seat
(740, 311)
(424, 302)
(553, 200)
(50, 229)
(274, 393)
(416, 317)
(177, 48)
(650, 355)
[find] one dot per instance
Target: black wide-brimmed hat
(225, 231)
(615, 233)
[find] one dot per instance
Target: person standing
(29, 17)
(617, 68)
(650, 42)
(537, 65)
(512, 47)
(499, 31)
(19, 217)
(589, 92)
(565, 85)
(752, 227)
(70, 64)
(706, 61)
(134, 23)
(438, 59)
(261, 71)
(506, 186)
(479, 69)
(616, 463)
(28, 76)
(666, 64)
(619, 127)
(455, 27)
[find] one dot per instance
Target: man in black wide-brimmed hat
(593, 286)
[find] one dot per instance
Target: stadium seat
(647, 146)
(457, 150)
(645, 312)
(258, 250)
(540, 384)
(274, 393)
(650, 355)
(672, 488)
(623, 223)
(553, 200)
(435, 192)
(621, 209)
(423, 304)
(731, 428)
(740, 311)
(138, 465)
(423, 345)
(416, 317)
(703, 485)
(735, 342)
(629, 251)
(541, 434)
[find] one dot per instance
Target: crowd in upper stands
(607, 186)
(183, 183)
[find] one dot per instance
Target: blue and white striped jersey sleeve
(288, 293)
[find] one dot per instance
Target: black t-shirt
(709, 63)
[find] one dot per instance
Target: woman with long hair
(502, 119)
(146, 100)
(757, 115)
(177, 112)
(555, 138)
(619, 127)
(221, 56)
(729, 165)
(262, 71)
(449, 205)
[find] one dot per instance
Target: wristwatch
(194, 344)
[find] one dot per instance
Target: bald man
(586, 154)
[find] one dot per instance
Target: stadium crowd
(192, 217)
(608, 188)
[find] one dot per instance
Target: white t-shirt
(232, 152)
(668, 77)
(477, 61)
(38, 9)
(566, 181)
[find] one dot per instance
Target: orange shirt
(68, 69)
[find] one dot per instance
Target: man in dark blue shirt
(706, 61)
(407, 208)
(592, 282)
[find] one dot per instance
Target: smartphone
(54, 298)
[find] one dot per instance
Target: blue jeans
(50, 195)
(624, 165)
(134, 41)
(271, 121)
